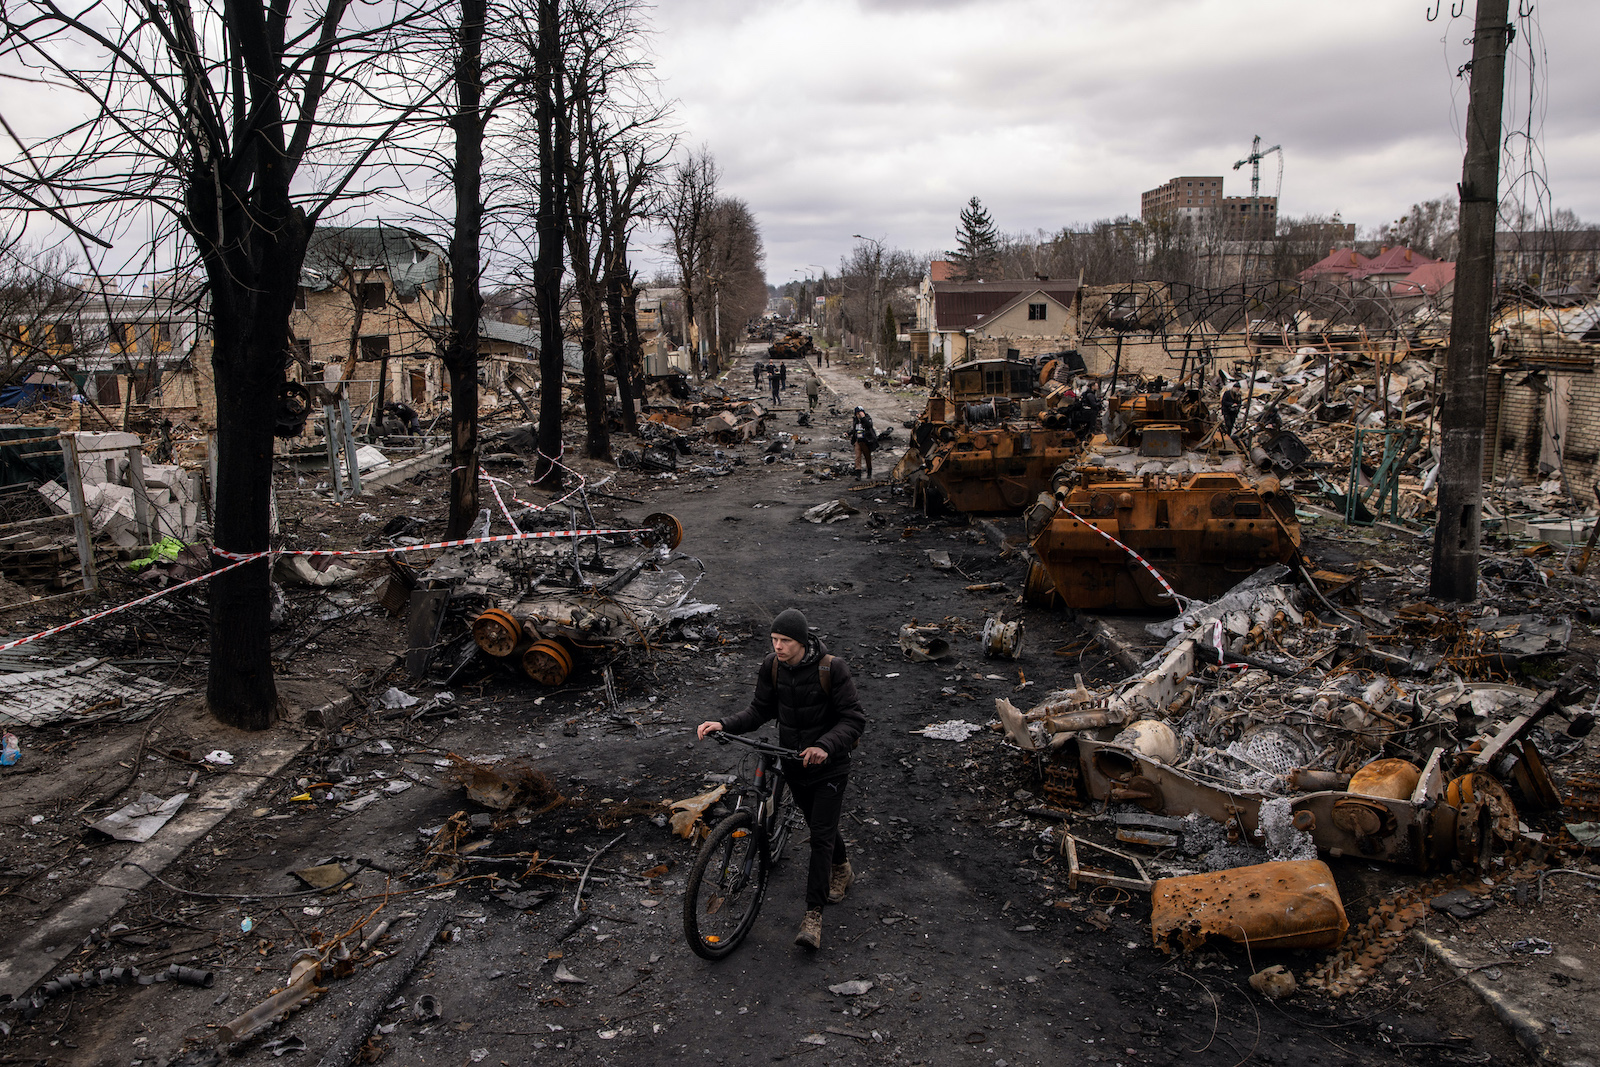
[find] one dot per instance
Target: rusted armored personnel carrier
(1161, 482)
(793, 345)
(991, 440)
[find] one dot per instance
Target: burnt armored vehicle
(993, 437)
(1164, 483)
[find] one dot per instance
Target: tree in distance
(977, 253)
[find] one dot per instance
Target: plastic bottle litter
(10, 752)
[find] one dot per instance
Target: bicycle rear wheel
(723, 896)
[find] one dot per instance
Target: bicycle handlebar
(722, 737)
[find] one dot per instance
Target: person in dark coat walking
(865, 438)
(759, 367)
(772, 380)
(1231, 401)
(813, 696)
(783, 375)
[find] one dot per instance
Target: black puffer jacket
(807, 716)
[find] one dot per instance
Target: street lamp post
(823, 282)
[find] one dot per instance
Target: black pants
(821, 803)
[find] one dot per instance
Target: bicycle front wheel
(725, 888)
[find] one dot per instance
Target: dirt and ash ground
(961, 921)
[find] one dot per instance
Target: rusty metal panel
(1293, 904)
(1203, 534)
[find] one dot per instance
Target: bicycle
(729, 879)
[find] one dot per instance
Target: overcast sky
(881, 117)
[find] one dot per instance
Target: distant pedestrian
(759, 367)
(783, 375)
(772, 380)
(813, 390)
(1231, 402)
(864, 437)
(819, 360)
(406, 414)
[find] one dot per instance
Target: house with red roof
(1339, 263)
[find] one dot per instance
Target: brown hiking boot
(840, 881)
(810, 935)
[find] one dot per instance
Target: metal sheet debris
(1269, 905)
(140, 820)
(80, 690)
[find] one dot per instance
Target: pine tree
(977, 254)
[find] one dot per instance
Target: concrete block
(162, 475)
(103, 457)
(168, 521)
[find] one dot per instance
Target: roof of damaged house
(1430, 279)
(412, 260)
(962, 305)
(510, 333)
(1396, 260)
(1025, 296)
(1345, 261)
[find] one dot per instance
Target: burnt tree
(209, 112)
(460, 350)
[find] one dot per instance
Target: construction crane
(1254, 159)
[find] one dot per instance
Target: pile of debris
(1273, 728)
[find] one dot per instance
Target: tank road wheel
(662, 529)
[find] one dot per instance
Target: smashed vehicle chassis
(1421, 830)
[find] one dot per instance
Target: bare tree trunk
(252, 292)
(1459, 530)
(618, 297)
(466, 299)
(581, 219)
(550, 117)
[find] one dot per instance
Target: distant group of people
(777, 375)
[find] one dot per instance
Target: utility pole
(1460, 527)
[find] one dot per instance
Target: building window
(300, 298)
(1036, 312)
(372, 298)
(373, 348)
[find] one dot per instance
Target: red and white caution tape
(157, 595)
(1222, 648)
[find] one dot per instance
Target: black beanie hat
(790, 623)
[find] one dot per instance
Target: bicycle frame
(764, 783)
(763, 826)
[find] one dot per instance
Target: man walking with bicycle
(813, 696)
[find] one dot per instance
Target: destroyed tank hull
(991, 444)
(1203, 532)
(996, 470)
